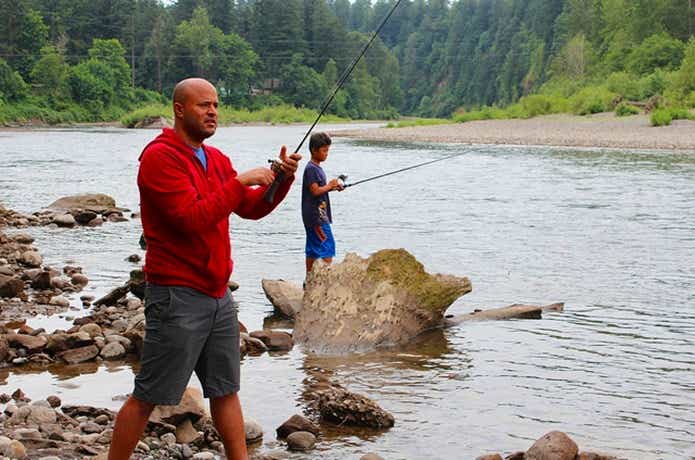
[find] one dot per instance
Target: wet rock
(284, 296)
(114, 296)
(515, 456)
(12, 448)
(301, 440)
(274, 340)
(92, 329)
(91, 427)
(59, 301)
(296, 423)
(4, 353)
(555, 445)
(191, 407)
(253, 430)
(31, 343)
(203, 456)
(79, 355)
(360, 304)
(6, 270)
(11, 286)
(116, 217)
(19, 395)
(58, 283)
(31, 259)
(5, 398)
(102, 419)
(186, 432)
(134, 258)
(27, 433)
(96, 222)
(84, 217)
(113, 350)
(338, 405)
(253, 345)
(86, 201)
(490, 457)
(64, 220)
(53, 401)
(79, 279)
(23, 238)
(42, 280)
(40, 415)
(373, 457)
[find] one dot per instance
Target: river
(610, 233)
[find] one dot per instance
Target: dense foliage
(68, 60)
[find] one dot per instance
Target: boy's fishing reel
(342, 179)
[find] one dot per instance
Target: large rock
(555, 445)
(191, 407)
(10, 286)
(33, 344)
(285, 296)
(338, 405)
(79, 355)
(87, 201)
(360, 304)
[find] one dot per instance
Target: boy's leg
(328, 260)
(130, 423)
(229, 422)
(309, 264)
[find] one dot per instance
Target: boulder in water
(87, 201)
(360, 304)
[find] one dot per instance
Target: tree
(660, 51)
(302, 86)
(22, 35)
(50, 74)
(12, 87)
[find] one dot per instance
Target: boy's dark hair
(318, 140)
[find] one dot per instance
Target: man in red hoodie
(187, 192)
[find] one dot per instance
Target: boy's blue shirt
(315, 209)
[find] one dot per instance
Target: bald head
(185, 88)
(195, 110)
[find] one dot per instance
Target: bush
(679, 113)
(658, 51)
(592, 100)
(131, 119)
(539, 104)
(661, 117)
(625, 110)
(625, 85)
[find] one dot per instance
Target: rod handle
(269, 195)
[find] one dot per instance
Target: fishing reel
(342, 179)
(275, 165)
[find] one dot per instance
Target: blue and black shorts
(317, 249)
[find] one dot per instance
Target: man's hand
(289, 163)
(320, 233)
(257, 176)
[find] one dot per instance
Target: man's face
(198, 112)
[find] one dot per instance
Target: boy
(316, 206)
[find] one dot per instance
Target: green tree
(302, 86)
(50, 74)
(12, 86)
(22, 35)
(660, 51)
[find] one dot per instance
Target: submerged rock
(360, 304)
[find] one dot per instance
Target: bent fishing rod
(343, 177)
(269, 195)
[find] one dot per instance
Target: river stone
(31, 259)
(191, 406)
(595, 456)
(96, 222)
(84, 217)
(10, 286)
(53, 401)
(15, 450)
(59, 301)
(296, 423)
(274, 340)
(284, 296)
(27, 433)
(6, 270)
(204, 456)
(64, 220)
(79, 279)
(23, 238)
(92, 329)
(554, 445)
(79, 355)
(253, 430)
(58, 283)
(85, 201)
(360, 304)
(186, 432)
(31, 343)
(113, 350)
(375, 457)
(490, 457)
(4, 350)
(301, 440)
(338, 405)
(40, 415)
(42, 280)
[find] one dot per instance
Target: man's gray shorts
(187, 331)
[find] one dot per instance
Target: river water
(610, 233)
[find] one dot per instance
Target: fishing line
(343, 177)
(279, 174)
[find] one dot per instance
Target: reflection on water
(610, 233)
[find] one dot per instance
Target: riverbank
(603, 130)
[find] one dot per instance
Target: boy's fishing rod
(343, 177)
(275, 165)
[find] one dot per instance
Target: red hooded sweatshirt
(185, 213)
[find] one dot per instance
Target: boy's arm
(318, 190)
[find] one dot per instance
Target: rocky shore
(114, 330)
(600, 130)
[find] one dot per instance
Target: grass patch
(143, 114)
(661, 117)
(418, 122)
(625, 110)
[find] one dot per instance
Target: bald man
(188, 190)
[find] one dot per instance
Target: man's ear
(178, 110)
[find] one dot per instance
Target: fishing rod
(269, 195)
(343, 177)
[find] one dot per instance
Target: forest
(97, 60)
